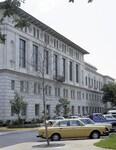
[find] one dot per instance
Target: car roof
(110, 111)
(69, 119)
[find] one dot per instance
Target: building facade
(66, 73)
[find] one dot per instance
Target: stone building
(67, 75)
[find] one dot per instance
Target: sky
(92, 26)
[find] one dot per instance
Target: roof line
(46, 28)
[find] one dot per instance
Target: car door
(77, 129)
(64, 129)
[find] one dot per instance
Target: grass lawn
(109, 142)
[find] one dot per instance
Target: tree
(18, 105)
(41, 66)
(57, 110)
(109, 94)
(63, 107)
(10, 10)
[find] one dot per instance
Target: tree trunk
(44, 105)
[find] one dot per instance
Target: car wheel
(55, 137)
(95, 135)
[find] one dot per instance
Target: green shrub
(1, 123)
(6, 123)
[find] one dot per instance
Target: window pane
(46, 57)
(70, 70)
(36, 109)
(21, 86)
(35, 57)
(12, 85)
(22, 53)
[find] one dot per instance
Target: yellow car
(72, 128)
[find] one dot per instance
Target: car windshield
(87, 121)
(100, 117)
(109, 117)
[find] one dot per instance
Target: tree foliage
(10, 10)
(63, 107)
(18, 105)
(109, 94)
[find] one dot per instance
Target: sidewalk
(65, 145)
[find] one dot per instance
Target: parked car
(97, 117)
(88, 121)
(71, 128)
(109, 117)
(73, 117)
(52, 120)
(112, 112)
(76, 116)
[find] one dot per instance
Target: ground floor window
(36, 109)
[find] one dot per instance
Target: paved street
(8, 138)
(26, 140)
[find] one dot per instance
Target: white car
(73, 117)
(112, 112)
(109, 117)
(88, 121)
(52, 120)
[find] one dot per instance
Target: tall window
(26, 86)
(48, 109)
(64, 48)
(65, 93)
(46, 38)
(22, 53)
(35, 87)
(77, 55)
(79, 109)
(78, 95)
(21, 86)
(35, 57)
(70, 71)
(55, 43)
(46, 57)
(72, 93)
(37, 33)
(72, 110)
(57, 91)
(36, 109)
(39, 88)
(63, 64)
(48, 90)
(55, 65)
(86, 80)
(71, 51)
(34, 31)
(12, 85)
(12, 111)
(77, 73)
